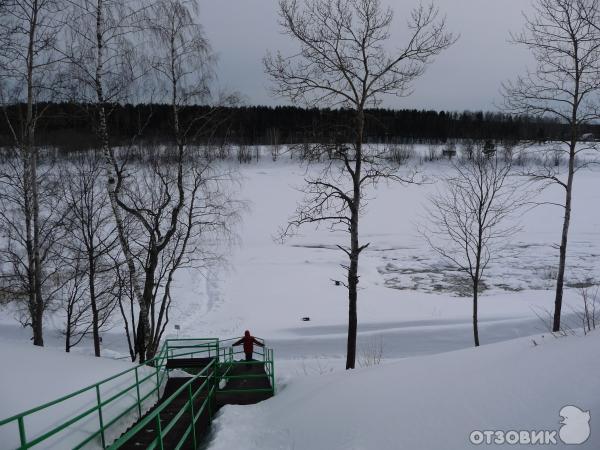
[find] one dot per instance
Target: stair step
(226, 396)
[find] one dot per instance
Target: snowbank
(427, 403)
(31, 376)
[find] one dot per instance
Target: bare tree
(342, 62)
(589, 314)
(158, 204)
(149, 197)
(105, 66)
(126, 300)
(74, 303)
(175, 200)
(17, 274)
(564, 38)
(90, 237)
(467, 218)
(87, 311)
(371, 352)
(27, 77)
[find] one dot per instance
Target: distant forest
(70, 126)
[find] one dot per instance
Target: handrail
(74, 394)
(158, 364)
(156, 412)
(267, 360)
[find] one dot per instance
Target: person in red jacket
(248, 340)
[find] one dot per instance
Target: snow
(411, 304)
(426, 403)
(31, 376)
(405, 288)
(408, 295)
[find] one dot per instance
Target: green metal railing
(206, 347)
(208, 386)
(144, 384)
(264, 356)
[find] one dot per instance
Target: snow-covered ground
(432, 402)
(31, 376)
(409, 297)
(408, 294)
(411, 303)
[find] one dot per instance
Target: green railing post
(272, 371)
(192, 415)
(159, 431)
(100, 416)
(22, 436)
(157, 383)
(137, 388)
(211, 393)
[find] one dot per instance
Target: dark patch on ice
(317, 246)
(581, 284)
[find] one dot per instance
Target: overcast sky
(467, 76)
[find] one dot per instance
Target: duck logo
(575, 425)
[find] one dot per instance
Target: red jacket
(248, 340)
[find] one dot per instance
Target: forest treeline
(70, 126)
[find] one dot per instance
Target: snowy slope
(31, 376)
(427, 403)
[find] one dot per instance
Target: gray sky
(467, 76)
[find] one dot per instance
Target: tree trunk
(144, 333)
(560, 278)
(127, 333)
(31, 294)
(93, 303)
(31, 181)
(110, 163)
(68, 330)
(37, 264)
(352, 298)
(68, 336)
(475, 312)
(38, 338)
(354, 246)
(477, 276)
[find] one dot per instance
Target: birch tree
(343, 61)
(28, 67)
(564, 39)
(105, 65)
(159, 204)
